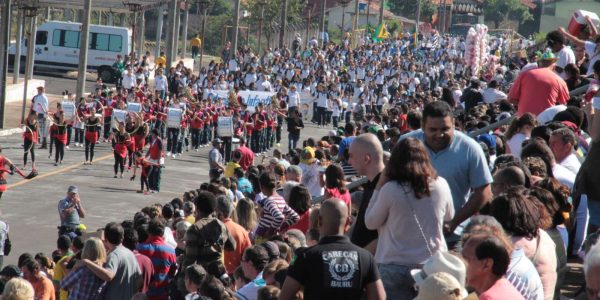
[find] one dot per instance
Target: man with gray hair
(238, 233)
(591, 269)
(293, 173)
(562, 143)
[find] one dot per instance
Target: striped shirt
(276, 215)
(163, 259)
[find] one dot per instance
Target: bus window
(100, 41)
(116, 43)
(57, 36)
(71, 39)
(41, 37)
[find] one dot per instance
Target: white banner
(225, 126)
(174, 116)
(134, 107)
(68, 110)
(118, 116)
(251, 98)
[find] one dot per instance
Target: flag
(381, 33)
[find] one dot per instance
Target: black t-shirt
(361, 235)
(334, 269)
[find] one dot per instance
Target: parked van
(57, 47)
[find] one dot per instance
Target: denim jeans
(397, 281)
(293, 141)
(172, 139)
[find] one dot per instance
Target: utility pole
(307, 29)
(83, 48)
(381, 9)
(186, 12)
(170, 32)
(204, 4)
(262, 4)
(236, 25)
(283, 23)
(159, 27)
(4, 42)
(31, 13)
(19, 39)
(417, 25)
(322, 21)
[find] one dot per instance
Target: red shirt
(247, 157)
(303, 224)
(536, 90)
(147, 270)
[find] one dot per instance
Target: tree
(499, 11)
(408, 9)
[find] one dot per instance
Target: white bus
(57, 47)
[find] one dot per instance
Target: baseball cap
(73, 189)
(11, 271)
(440, 286)
(487, 139)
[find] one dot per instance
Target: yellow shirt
(59, 274)
(161, 61)
(196, 42)
(190, 219)
(230, 169)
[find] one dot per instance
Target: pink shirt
(501, 290)
(538, 89)
(335, 193)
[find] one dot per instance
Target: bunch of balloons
(477, 52)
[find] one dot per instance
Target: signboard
(251, 98)
(174, 116)
(68, 110)
(134, 107)
(225, 126)
(118, 116)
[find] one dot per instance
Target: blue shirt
(71, 220)
(345, 144)
(462, 164)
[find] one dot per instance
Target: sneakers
(67, 147)
(115, 176)
(169, 153)
(173, 156)
(196, 149)
(278, 145)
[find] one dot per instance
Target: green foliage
(498, 11)
(272, 11)
(408, 9)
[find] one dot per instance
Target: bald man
(366, 157)
(334, 268)
(508, 177)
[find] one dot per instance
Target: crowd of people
(445, 206)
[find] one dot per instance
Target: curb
(10, 131)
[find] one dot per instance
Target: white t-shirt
(547, 115)
(564, 175)
(492, 95)
(571, 163)
(515, 144)
(590, 50)
(293, 99)
(565, 57)
(160, 83)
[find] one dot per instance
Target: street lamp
(204, 4)
(30, 10)
(262, 4)
(135, 8)
(344, 4)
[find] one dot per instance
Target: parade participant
(6, 163)
(40, 106)
(196, 125)
(30, 138)
(119, 67)
(259, 125)
(295, 125)
(146, 166)
(122, 142)
(155, 155)
(58, 131)
(92, 123)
